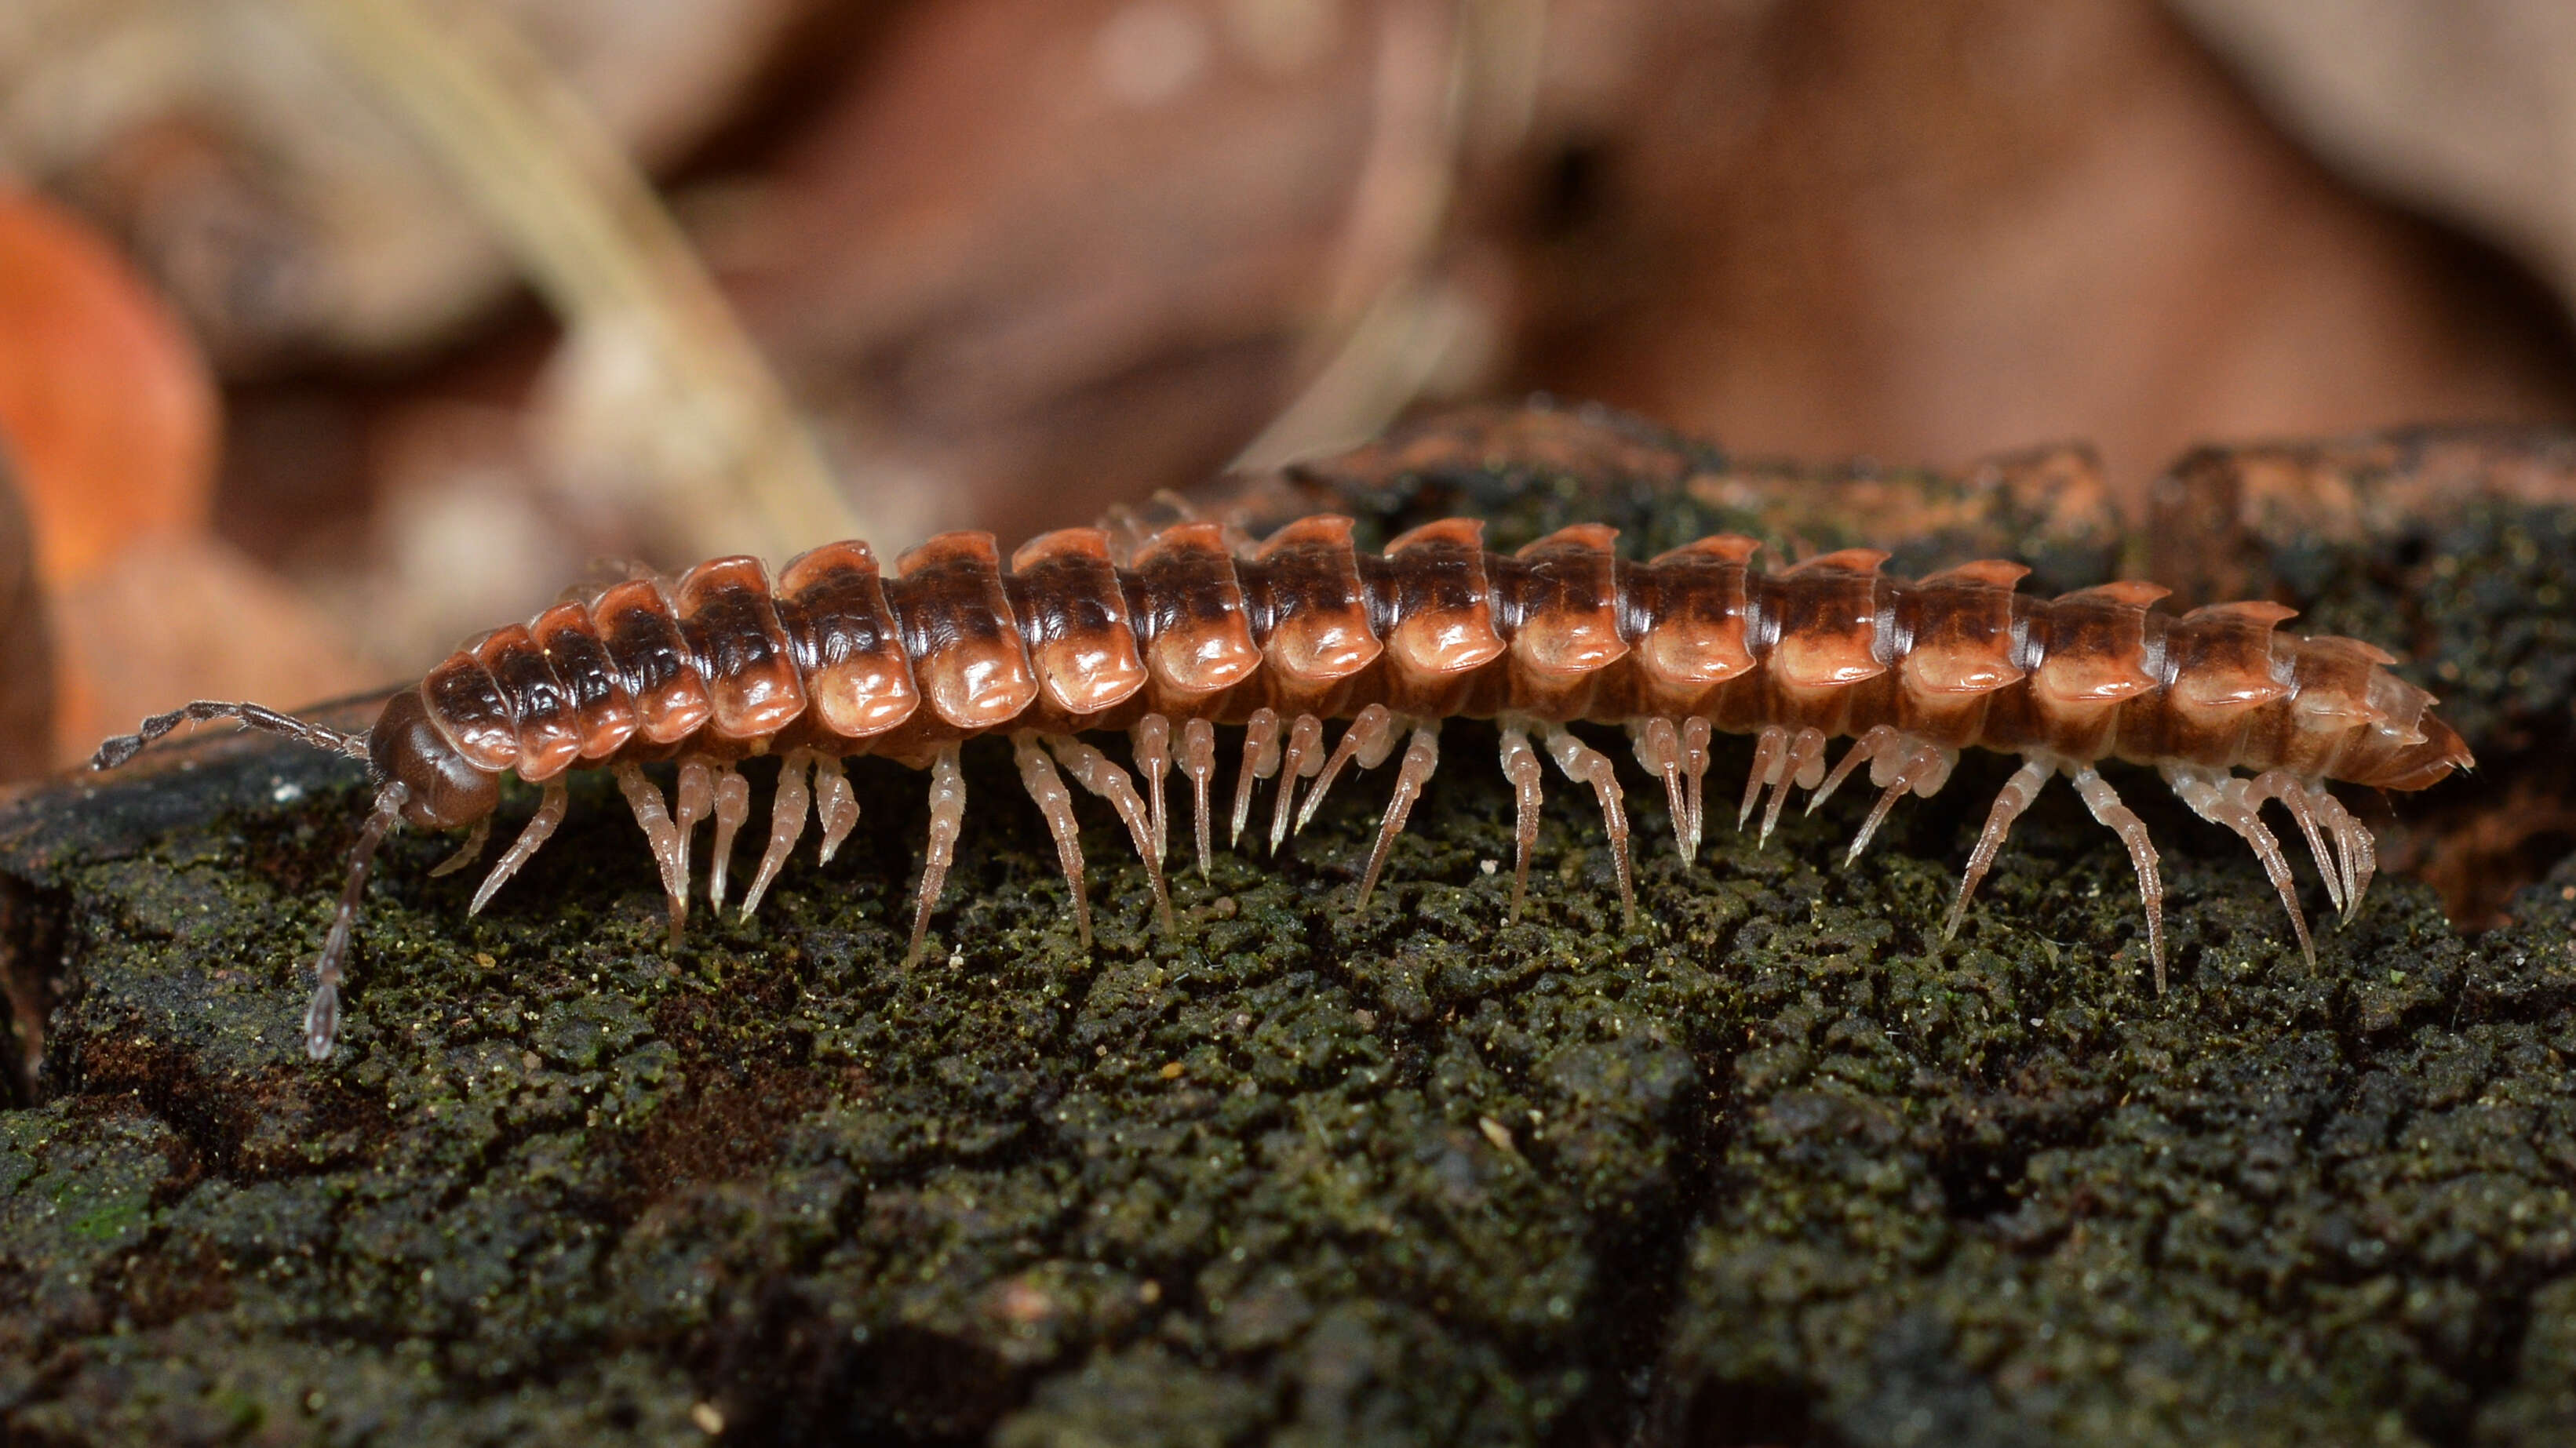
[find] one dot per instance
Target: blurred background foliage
(332, 331)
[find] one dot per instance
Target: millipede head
(443, 789)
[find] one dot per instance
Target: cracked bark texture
(1780, 1166)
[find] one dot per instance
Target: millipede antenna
(252, 716)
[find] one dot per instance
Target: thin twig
(736, 468)
(1390, 325)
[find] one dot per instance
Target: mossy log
(1781, 1165)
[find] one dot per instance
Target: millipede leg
(540, 828)
(834, 804)
(1521, 767)
(733, 807)
(2359, 856)
(2222, 799)
(1101, 775)
(322, 1013)
(2364, 854)
(2010, 801)
(1887, 799)
(1584, 764)
(468, 852)
(1152, 738)
(1056, 803)
(2280, 784)
(1198, 760)
(1368, 740)
(1421, 757)
(1803, 766)
(786, 825)
(1913, 766)
(669, 854)
(1304, 760)
(1695, 733)
(947, 814)
(2104, 801)
(2331, 818)
(1770, 747)
(1260, 761)
(691, 797)
(1659, 749)
(1880, 738)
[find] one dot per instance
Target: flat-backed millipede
(1168, 635)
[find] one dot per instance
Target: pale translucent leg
(1421, 756)
(1695, 733)
(1521, 767)
(1658, 744)
(1368, 741)
(1770, 747)
(1152, 740)
(670, 854)
(1584, 764)
(2010, 801)
(2280, 784)
(468, 852)
(2363, 852)
(540, 828)
(834, 804)
(1198, 761)
(2222, 799)
(692, 796)
(733, 807)
(947, 814)
(1880, 739)
(1910, 766)
(1101, 775)
(1260, 761)
(1804, 767)
(786, 825)
(1304, 760)
(322, 1013)
(2335, 861)
(2104, 801)
(1056, 803)
(2359, 855)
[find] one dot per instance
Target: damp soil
(1778, 1165)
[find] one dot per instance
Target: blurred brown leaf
(26, 645)
(111, 419)
(103, 398)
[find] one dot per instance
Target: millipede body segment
(1167, 635)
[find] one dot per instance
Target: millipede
(1166, 635)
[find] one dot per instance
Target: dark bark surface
(1779, 1166)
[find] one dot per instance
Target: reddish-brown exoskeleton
(1182, 632)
